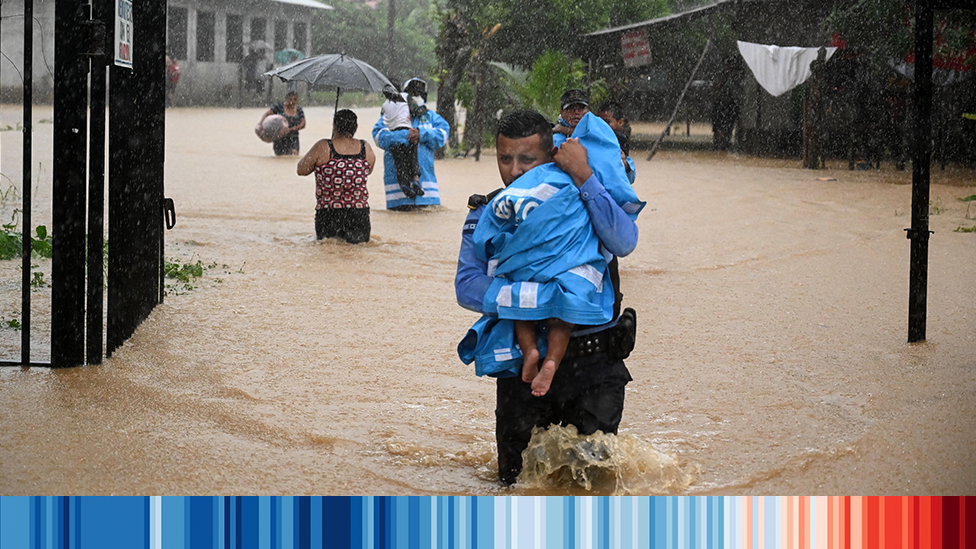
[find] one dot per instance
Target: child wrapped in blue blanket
(548, 263)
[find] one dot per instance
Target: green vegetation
(969, 198)
(10, 323)
(12, 242)
(961, 229)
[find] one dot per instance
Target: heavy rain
(770, 280)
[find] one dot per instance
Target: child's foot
(530, 365)
(417, 189)
(410, 191)
(542, 381)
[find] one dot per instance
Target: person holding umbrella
(287, 141)
(429, 131)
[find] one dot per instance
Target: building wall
(203, 80)
(216, 79)
(12, 44)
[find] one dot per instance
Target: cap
(574, 96)
(415, 86)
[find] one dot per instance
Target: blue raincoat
(433, 135)
(549, 264)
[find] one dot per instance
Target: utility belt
(617, 341)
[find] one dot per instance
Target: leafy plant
(37, 280)
(969, 198)
(185, 275)
(961, 229)
(11, 323)
(12, 242)
(540, 87)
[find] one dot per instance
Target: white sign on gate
(123, 33)
(635, 49)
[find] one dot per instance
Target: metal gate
(83, 45)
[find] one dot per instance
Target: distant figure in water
(428, 131)
(287, 143)
(341, 166)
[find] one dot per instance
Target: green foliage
(969, 198)
(185, 275)
(539, 89)
(185, 272)
(358, 30)
(12, 242)
(10, 323)
(532, 27)
(37, 280)
(961, 229)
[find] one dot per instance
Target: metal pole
(25, 305)
(921, 158)
(96, 198)
(69, 184)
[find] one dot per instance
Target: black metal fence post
(28, 100)
(69, 169)
(96, 184)
(921, 169)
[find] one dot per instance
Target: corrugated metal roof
(307, 4)
(704, 10)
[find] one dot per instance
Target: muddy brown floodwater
(771, 358)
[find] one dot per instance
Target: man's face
(519, 155)
(614, 123)
(574, 113)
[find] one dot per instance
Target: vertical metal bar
(96, 199)
(28, 100)
(921, 169)
(69, 185)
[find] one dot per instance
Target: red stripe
(872, 523)
(925, 523)
(937, 522)
(950, 522)
(847, 522)
(892, 521)
(916, 511)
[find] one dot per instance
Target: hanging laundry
(779, 69)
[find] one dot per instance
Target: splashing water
(562, 459)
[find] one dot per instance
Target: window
(257, 29)
(235, 38)
(176, 25)
(205, 36)
(299, 37)
(281, 35)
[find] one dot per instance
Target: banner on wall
(123, 33)
(635, 48)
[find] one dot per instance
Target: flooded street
(771, 355)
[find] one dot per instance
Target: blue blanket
(548, 264)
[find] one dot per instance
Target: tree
(362, 32)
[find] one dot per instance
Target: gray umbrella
(333, 69)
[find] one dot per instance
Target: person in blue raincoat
(429, 130)
(588, 390)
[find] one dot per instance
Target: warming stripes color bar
(253, 522)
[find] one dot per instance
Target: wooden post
(681, 97)
(812, 110)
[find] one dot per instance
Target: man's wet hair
(519, 124)
(291, 93)
(345, 122)
(615, 109)
(624, 142)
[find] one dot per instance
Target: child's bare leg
(525, 334)
(559, 332)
